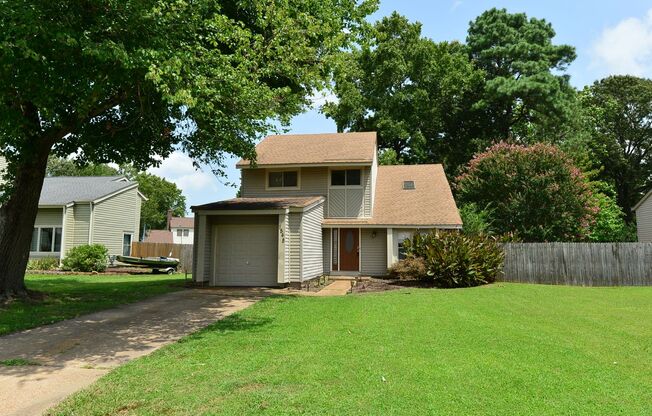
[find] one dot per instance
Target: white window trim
(282, 188)
(131, 242)
(38, 238)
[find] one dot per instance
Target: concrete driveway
(75, 353)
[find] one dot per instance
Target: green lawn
(505, 349)
(69, 296)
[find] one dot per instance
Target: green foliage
(17, 362)
(453, 259)
(609, 224)
(524, 82)
(86, 258)
(417, 94)
(475, 220)
(161, 196)
(61, 166)
(411, 268)
(129, 81)
(534, 192)
(388, 157)
(45, 263)
(619, 109)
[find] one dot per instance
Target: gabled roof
(315, 149)
(182, 222)
(639, 203)
(429, 203)
(259, 203)
(63, 190)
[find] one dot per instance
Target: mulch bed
(381, 285)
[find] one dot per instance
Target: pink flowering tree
(535, 192)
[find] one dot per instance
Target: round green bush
(86, 258)
(453, 259)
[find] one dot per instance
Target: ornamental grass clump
(453, 259)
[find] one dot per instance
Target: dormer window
(348, 177)
(283, 179)
(408, 185)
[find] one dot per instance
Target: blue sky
(610, 37)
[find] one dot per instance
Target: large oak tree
(619, 113)
(129, 81)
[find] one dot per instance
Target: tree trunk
(17, 218)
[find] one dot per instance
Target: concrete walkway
(337, 288)
(76, 352)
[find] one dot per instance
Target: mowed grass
(505, 349)
(68, 296)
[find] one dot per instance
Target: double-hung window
(46, 240)
(284, 179)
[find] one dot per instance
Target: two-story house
(317, 204)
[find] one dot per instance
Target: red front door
(349, 249)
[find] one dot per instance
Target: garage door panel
(246, 255)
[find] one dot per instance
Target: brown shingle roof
(315, 149)
(259, 203)
(159, 236)
(182, 222)
(430, 203)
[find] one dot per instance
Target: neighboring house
(159, 236)
(86, 210)
(183, 229)
(643, 212)
(315, 205)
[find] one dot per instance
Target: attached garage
(258, 241)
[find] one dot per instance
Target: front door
(349, 249)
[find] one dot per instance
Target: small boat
(153, 262)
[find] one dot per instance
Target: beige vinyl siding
(351, 202)
(368, 190)
(311, 239)
(49, 217)
(82, 219)
(373, 251)
(294, 246)
(326, 245)
(313, 181)
(69, 230)
(114, 217)
(644, 221)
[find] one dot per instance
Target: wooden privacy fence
(582, 264)
(183, 252)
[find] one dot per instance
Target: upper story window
(183, 232)
(285, 179)
(348, 177)
(409, 185)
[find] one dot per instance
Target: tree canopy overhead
(130, 81)
(524, 71)
(619, 109)
(414, 92)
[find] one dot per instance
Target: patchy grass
(68, 296)
(17, 362)
(505, 349)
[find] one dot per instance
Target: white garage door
(246, 255)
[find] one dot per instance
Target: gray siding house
(316, 205)
(643, 212)
(86, 210)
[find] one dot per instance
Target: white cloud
(456, 4)
(199, 186)
(626, 48)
